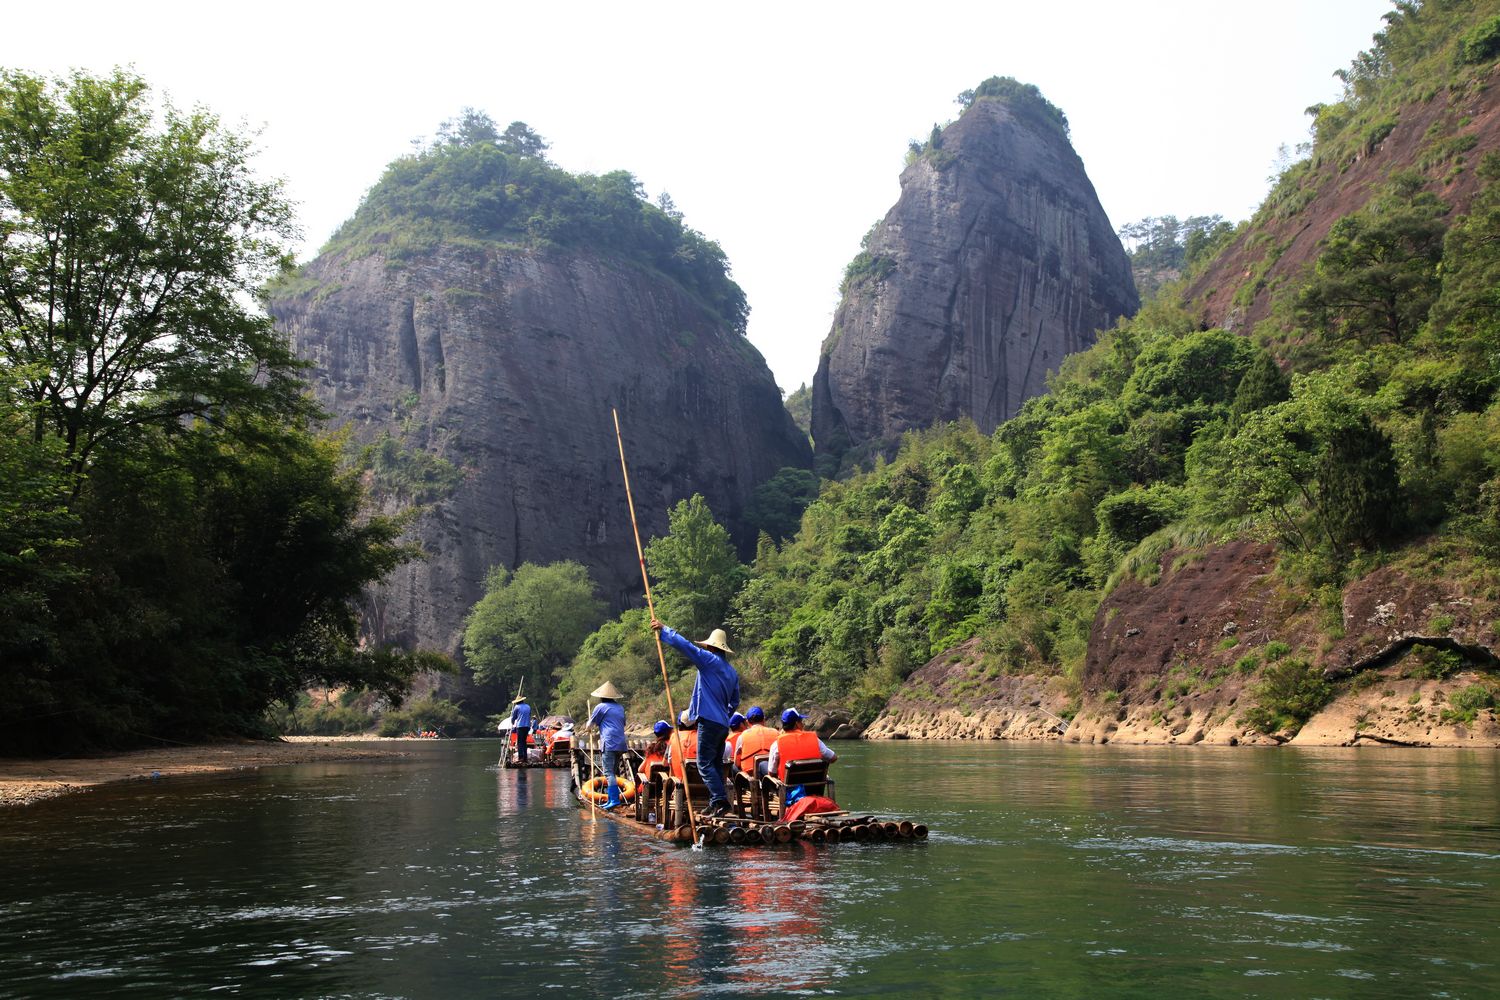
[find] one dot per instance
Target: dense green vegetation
(1164, 248)
(695, 575)
(178, 549)
(529, 624)
(475, 185)
(799, 405)
(1361, 420)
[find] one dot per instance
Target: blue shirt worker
(716, 694)
(609, 718)
(520, 725)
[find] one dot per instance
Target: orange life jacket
(756, 739)
(799, 744)
(687, 739)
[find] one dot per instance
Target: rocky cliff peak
(496, 342)
(996, 262)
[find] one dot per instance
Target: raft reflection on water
(751, 920)
(705, 919)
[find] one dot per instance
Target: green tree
(530, 623)
(1377, 276)
(183, 550)
(130, 253)
(799, 405)
(1264, 384)
(696, 570)
(521, 140)
(1465, 320)
(38, 531)
(1359, 491)
(469, 128)
(777, 504)
(212, 575)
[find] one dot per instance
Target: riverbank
(27, 781)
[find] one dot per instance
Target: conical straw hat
(606, 690)
(718, 640)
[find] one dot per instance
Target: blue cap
(790, 715)
(736, 720)
(662, 728)
(756, 714)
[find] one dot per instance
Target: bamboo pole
(651, 610)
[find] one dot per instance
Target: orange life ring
(596, 790)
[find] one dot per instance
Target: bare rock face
(1178, 658)
(996, 263)
(507, 363)
(955, 697)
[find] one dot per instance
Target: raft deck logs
(733, 830)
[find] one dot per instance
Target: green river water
(1052, 871)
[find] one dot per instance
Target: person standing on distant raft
(520, 725)
(716, 694)
(609, 718)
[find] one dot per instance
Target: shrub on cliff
(1287, 694)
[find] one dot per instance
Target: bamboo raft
(535, 757)
(842, 826)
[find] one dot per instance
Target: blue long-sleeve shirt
(716, 692)
(609, 718)
(520, 716)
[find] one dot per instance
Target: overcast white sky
(778, 128)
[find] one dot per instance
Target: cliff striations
(505, 362)
(995, 263)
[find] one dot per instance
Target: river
(1051, 871)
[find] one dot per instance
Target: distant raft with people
(547, 745)
(797, 803)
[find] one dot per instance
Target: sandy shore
(23, 782)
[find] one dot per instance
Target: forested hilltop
(479, 185)
(1337, 463)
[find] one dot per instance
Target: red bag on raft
(809, 804)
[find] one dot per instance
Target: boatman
(757, 739)
(609, 718)
(796, 743)
(520, 725)
(716, 694)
